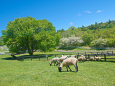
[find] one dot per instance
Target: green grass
(39, 73)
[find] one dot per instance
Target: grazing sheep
(72, 56)
(62, 58)
(97, 58)
(91, 58)
(67, 62)
(82, 58)
(55, 61)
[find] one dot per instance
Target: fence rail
(77, 54)
(87, 54)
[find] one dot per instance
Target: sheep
(72, 56)
(97, 58)
(67, 62)
(91, 58)
(82, 58)
(55, 61)
(62, 58)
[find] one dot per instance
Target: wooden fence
(86, 54)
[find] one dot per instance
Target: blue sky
(62, 13)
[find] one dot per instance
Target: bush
(87, 39)
(99, 43)
(111, 43)
(71, 42)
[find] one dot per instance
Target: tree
(72, 28)
(1, 41)
(71, 42)
(29, 34)
(99, 43)
(87, 38)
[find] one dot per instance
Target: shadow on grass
(104, 61)
(43, 56)
(68, 48)
(24, 57)
(68, 71)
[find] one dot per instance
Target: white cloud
(88, 12)
(71, 23)
(98, 11)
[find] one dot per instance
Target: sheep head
(59, 68)
(50, 64)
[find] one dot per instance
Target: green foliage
(99, 43)
(87, 38)
(93, 32)
(111, 43)
(30, 34)
(1, 41)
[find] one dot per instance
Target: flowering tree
(71, 41)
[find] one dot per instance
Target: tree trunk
(14, 57)
(31, 53)
(30, 48)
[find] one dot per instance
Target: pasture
(39, 73)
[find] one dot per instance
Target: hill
(94, 35)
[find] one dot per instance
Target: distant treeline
(99, 35)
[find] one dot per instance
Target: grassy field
(39, 73)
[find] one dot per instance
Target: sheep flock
(66, 61)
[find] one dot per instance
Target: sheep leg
(57, 63)
(76, 67)
(51, 64)
(69, 68)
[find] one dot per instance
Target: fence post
(88, 56)
(85, 53)
(77, 56)
(105, 57)
(112, 52)
(31, 57)
(47, 57)
(97, 53)
(39, 58)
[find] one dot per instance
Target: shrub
(71, 42)
(99, 43)
(111, 43)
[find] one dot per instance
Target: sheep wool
(91, 58)
(82, 58)
(55, 61)
(97, 58)
(67, 62)
(62, 58)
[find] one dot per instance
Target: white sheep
(67, 62)
(55, 61)
(82, 58)
(91, 58)
(72, 56)
(62, 58)
(97, 58)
